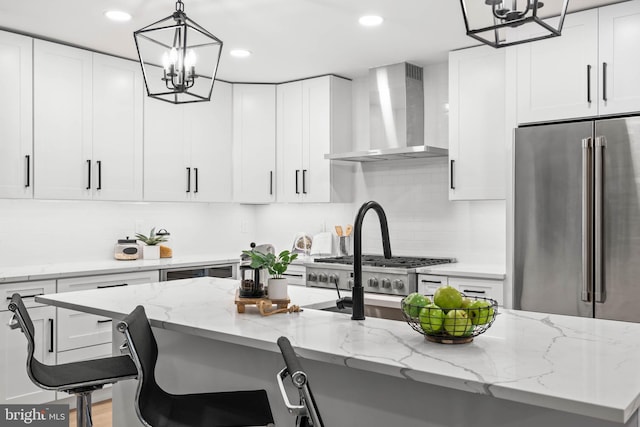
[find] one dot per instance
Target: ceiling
(289, 39)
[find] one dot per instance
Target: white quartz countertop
(24, 273)
(578, 365)
(464, 269)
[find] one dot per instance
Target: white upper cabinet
(558, 77)
(117, 128)
(254, 143)
(87, 125)
(187, 149)
(478, 128)
(16, 149)
(314, 118)
(591, 69)
(619, 90)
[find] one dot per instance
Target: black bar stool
(78, 378)
(155, 407)
(306, 412)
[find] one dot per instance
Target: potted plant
(276, 266)
(151, 250)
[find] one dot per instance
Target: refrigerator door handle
(600, 144)
(586, 220)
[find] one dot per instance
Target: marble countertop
(465, 269)
(69, 269)
(578, 365)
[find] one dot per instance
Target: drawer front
(28, 290)
(428, 284)
(479, 288)
(296, 275)
(77, 329)
(85, 353)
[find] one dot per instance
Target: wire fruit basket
(454, 326)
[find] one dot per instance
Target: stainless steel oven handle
(586, 220)
(598, 217)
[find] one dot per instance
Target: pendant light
(490, 21)
(179, 58)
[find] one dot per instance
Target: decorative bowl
(444, 327)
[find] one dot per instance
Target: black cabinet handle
(297, 173)
(188, 180)
(470, 291)
(27, 296)
(99, 187)
(451, 184)
(27, 159)
(50, 335)
(604, 82)
(112, 286)
(88, 174)
(304, 181)
(105, 321)
(196, 172)
(431, 281)
(589, 84)
(271, 183)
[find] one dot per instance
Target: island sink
(371, 311)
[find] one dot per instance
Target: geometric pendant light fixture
(489, 21)
(179, 58)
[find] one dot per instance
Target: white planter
(278, 289)
(151, 252)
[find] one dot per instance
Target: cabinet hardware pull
(604, 82)
(105, 321)
(112, 286)
(88, 175)
(50, 335)
(293, 275)
(451, 184)
(304, 181)
(471, 291)
(589, 84)
(196, 172)
(99, 187)
(431, 281)
(28, 160)
(271, 183)
(297, 173)
(188, 180)
(27, 296)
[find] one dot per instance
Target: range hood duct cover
(396, 116)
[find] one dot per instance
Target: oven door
(222, 271)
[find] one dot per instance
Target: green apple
(447, 298)
(431, 318)
(414, 302)
(456, 322)
(466, 302)
(481, 312)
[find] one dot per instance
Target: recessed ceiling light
(370, 20)
(240, 53)
(117, 15)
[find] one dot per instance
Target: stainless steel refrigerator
(577, 218)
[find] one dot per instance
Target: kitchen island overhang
(550, 367)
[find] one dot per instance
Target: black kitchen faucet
(357, 292)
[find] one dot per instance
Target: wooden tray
(241, 302)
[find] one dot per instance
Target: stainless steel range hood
(396, 116)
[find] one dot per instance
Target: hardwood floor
(101, 414)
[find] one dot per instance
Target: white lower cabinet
(77, 329)
(296, 275)
(472, 287)
(16, 386)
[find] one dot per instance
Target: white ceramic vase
(278, 289)
(151, 252)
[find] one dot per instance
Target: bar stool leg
(83, 409)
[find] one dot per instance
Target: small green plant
(151, 240)
(275, 265)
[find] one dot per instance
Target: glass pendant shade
(179, 58)
(493, 22)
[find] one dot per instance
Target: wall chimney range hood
(396, 117)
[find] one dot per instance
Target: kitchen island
(528, 369)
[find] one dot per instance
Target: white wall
(42, 231)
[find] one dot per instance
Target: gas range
(395, 276)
